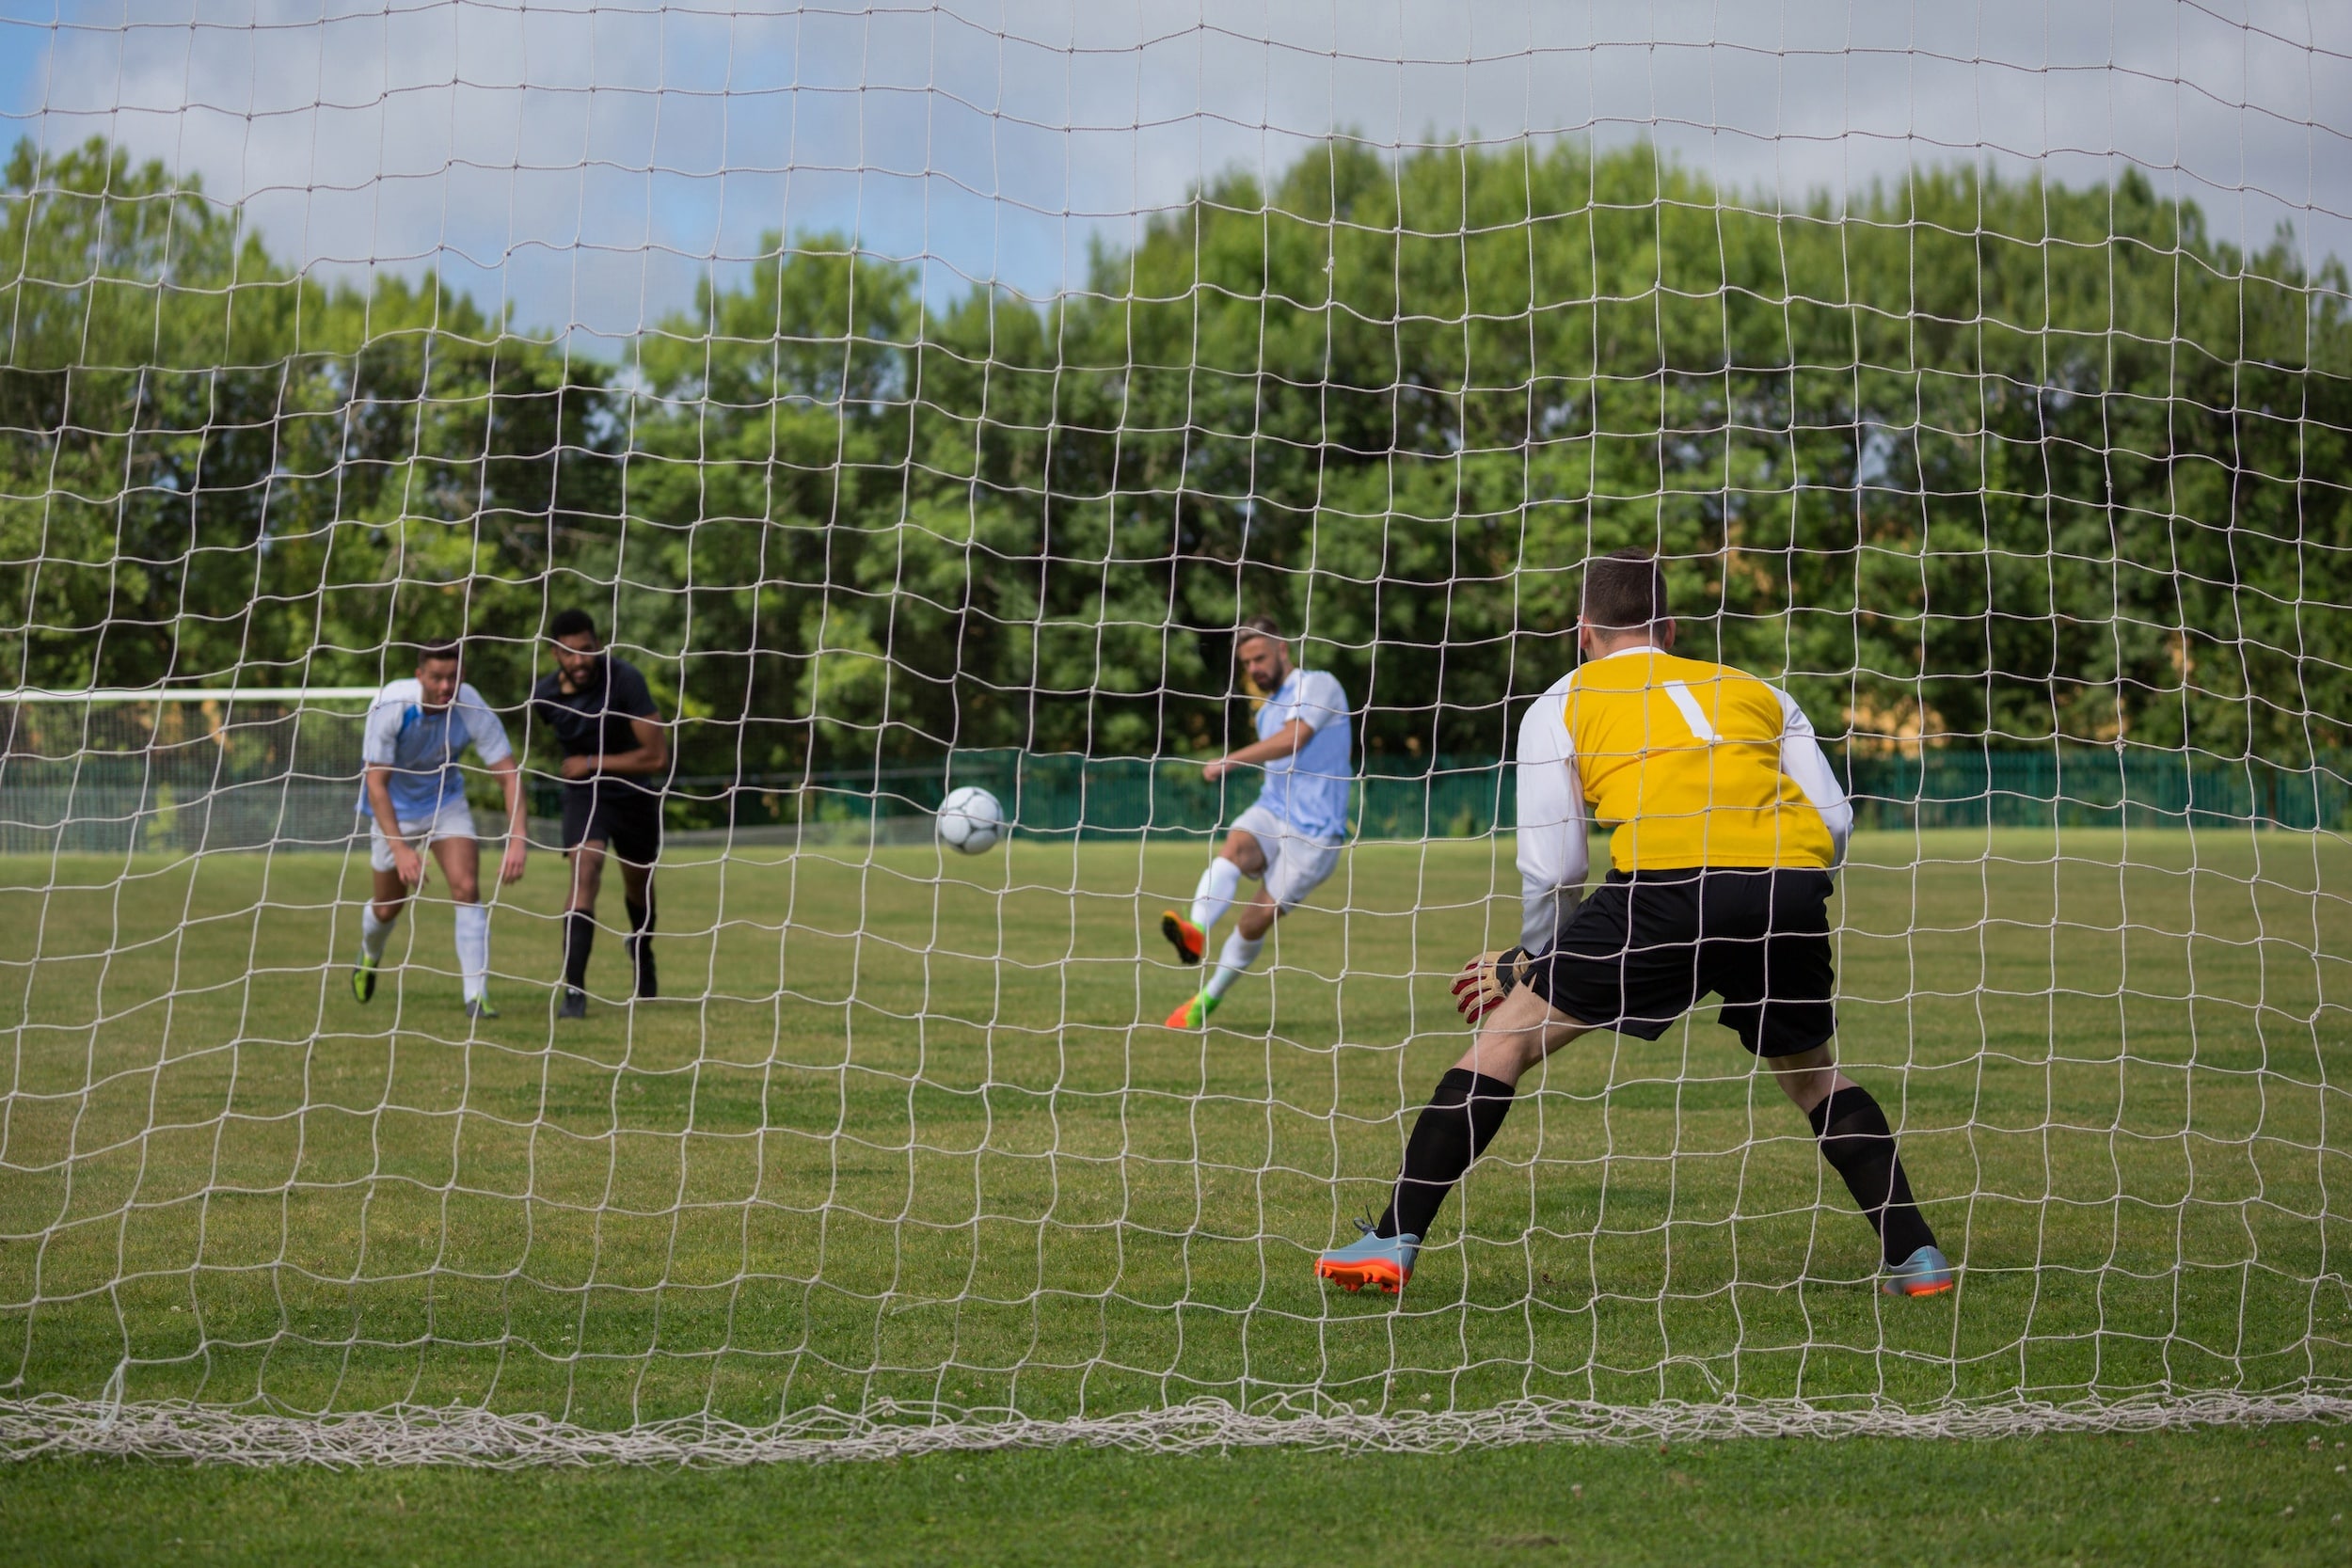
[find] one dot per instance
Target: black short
(1642, 949)
(628, 820)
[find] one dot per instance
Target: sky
(586, 165)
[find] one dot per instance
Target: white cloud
(588, 162)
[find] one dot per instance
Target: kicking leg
(1239, 856)
(1859, 1146)
(1242, 948)
(461, 865)
(1462, 1116)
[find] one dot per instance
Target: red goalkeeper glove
(1488, 978)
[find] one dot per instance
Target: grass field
(2278, 1495)
(919, 1139)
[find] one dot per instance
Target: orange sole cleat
(1925, 1273)
(1188, 940)
(1384, 1261)
(1192, 1014)
(1355, 1277)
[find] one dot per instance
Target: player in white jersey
(414, 798)
(1291, 838)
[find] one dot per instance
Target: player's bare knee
(1807, 1077)
(1241, 847)
(1255, 921)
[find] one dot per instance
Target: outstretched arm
(1283, 742)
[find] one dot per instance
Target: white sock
(374, 933)
(473, 948)
(1214, 894)
(1232, 964)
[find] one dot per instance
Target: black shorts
(1642, 949)
(627, 819)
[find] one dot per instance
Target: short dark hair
(438, 648)
(1257, 626)
(1624, 591)
(571, 622)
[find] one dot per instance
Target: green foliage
(211, 466)
(1976, 458)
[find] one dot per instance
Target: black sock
(580, 935)
(641, 944)
(1461, 1120)
(1860, 1147)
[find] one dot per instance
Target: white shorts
(1295, 865)
(453, 820)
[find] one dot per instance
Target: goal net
(922, 397)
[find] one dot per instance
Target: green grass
(920, 1139)
(2237, 1496)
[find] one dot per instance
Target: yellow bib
(1682, 758)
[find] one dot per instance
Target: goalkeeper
(1290, 837)
(1727, 826)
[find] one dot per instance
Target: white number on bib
(1691, 713)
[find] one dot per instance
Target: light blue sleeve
(1321, 699)
(379, 742)
(483, 726)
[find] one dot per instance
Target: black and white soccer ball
(970, 820)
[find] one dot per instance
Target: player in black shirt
(616, 755)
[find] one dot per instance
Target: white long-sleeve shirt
(1553, 858)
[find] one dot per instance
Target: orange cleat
(1193, 1014)
(1386, 1261)
(1188, 940)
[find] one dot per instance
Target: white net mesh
(920, 398)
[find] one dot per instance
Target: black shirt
(594, 720)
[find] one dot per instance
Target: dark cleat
(575, 1004)
(1188, 940)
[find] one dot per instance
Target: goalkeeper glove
(1488, 978)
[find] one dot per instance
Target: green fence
(1455, 797)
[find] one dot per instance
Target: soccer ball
(970, 820)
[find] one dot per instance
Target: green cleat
(363, 979)
(1193, 1014)
(479, 1008)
